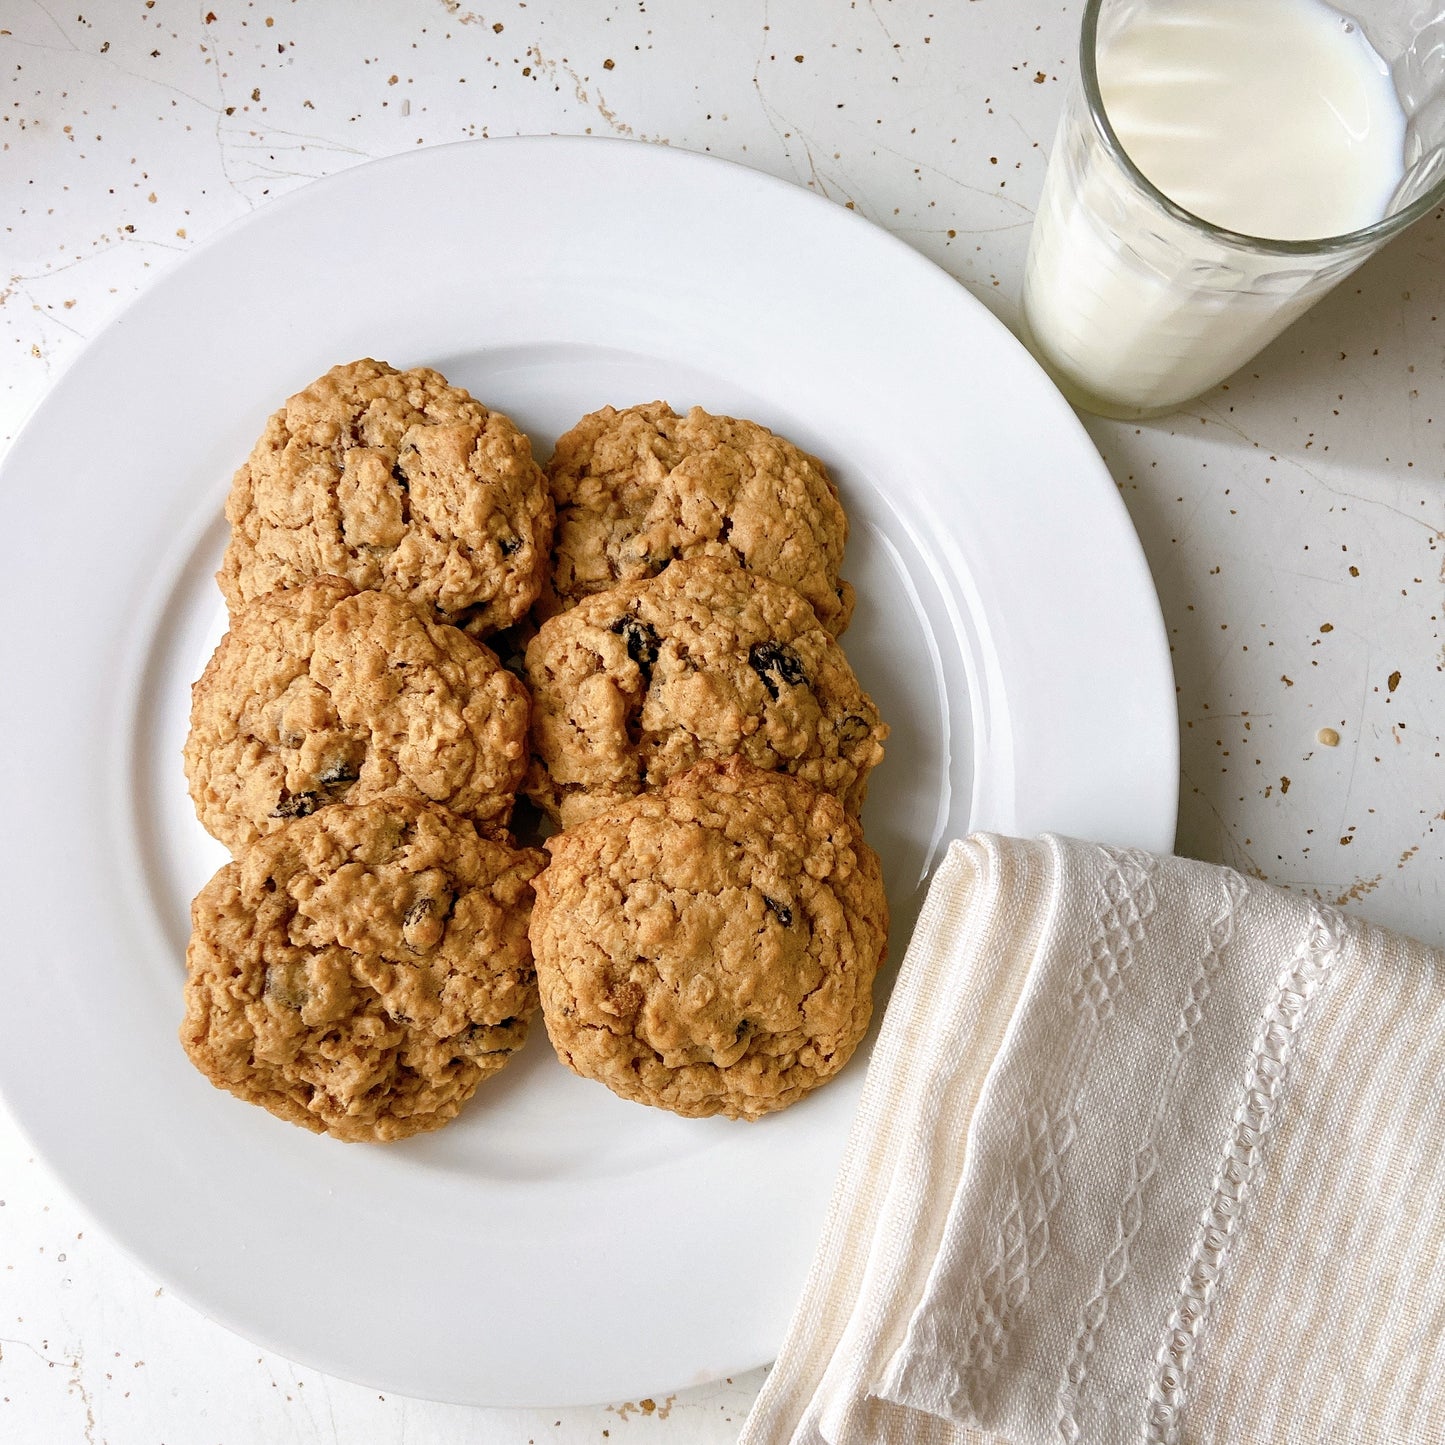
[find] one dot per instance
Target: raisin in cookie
(711, 947)
(322, 694)
(397, 481)
(362, 971)
(637, 489)
(636, 684)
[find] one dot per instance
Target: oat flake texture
(637, 489)
(636, 684)
(398, 481)
(361, 971)
(710, 947)
(322, 694)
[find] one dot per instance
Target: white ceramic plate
(555, 1245)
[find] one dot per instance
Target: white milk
(1274, 118)
(1270, 117)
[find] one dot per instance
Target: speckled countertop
(1294, 519)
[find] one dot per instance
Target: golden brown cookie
(322, 694)
(711, 947)
(362, 971)
(396, 481)
(636, 684)
(637, 489)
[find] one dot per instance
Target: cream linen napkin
(1146, 1152)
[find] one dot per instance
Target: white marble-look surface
(1294, 519)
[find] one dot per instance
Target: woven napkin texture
(1146, 1152)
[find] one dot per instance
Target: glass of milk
(1220, 165)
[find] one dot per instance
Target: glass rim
(1376, 232)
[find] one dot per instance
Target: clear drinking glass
(1132, 304)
